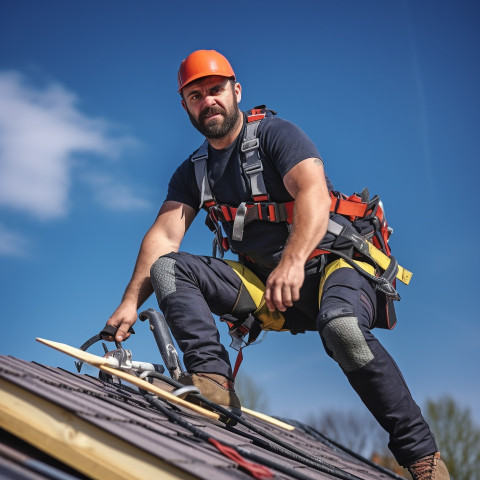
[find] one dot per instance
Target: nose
(209, 100)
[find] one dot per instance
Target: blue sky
(91, 128)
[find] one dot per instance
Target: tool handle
(164, 340)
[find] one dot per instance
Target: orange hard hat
(203, 63)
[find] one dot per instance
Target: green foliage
(457, 436)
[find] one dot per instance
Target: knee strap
(341, 263)
(256, 289)
(344, 338)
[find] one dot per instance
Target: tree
(359, 432)
(457, 436)
(250, 393)
(355, 430)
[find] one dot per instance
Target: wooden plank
(102, 364)
(77, 443)
(269, 419)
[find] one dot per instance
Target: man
(225, 177)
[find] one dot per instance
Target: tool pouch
(386, 316)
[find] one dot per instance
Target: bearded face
(215, 122)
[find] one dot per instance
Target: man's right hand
(123, 318)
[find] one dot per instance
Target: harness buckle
(273, 212)
(249, 145)
(199, 157)
(253, 168)
(280, 212)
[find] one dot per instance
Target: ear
(238, 92)
(184, 105)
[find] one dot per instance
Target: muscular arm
(164, 236)
(306, 184)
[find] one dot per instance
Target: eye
(217, 89)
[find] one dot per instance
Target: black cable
(286, 450)
(333, 444)
(174, 417)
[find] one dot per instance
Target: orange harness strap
(352, 207)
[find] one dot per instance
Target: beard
(217, 128)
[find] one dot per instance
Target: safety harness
(357, 230)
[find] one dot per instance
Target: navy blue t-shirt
(282, 146)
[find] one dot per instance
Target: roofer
(262, 179)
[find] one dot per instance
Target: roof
(65, 425)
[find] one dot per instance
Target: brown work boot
(430, 467)
(216, 388)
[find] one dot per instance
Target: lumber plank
(102, 364)
(77, 443)
(268, 419)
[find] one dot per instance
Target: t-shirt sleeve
(286, 144)
(183, 186)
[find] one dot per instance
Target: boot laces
(424, 468)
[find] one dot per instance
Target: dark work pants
(189, 288)
(373, 374)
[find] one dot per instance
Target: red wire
(257, 471)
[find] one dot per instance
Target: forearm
(306, 184)
(139, 287)
(310, 221)
(164, 237)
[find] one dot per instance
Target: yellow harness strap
(256, 289)
(275, 320)
(383, 261)
(341, 263)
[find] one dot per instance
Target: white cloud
(41, 130)
(42, 135)
(113, 194)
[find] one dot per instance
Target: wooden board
(102, 364)
(78, 443)
(267, 418)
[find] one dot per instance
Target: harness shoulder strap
(207, 200)
(199, 159)
(252, 166)
(252, 163)
(250, 148)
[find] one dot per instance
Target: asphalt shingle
(122, 412)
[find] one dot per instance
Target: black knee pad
(345, 342)
(162, 276)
